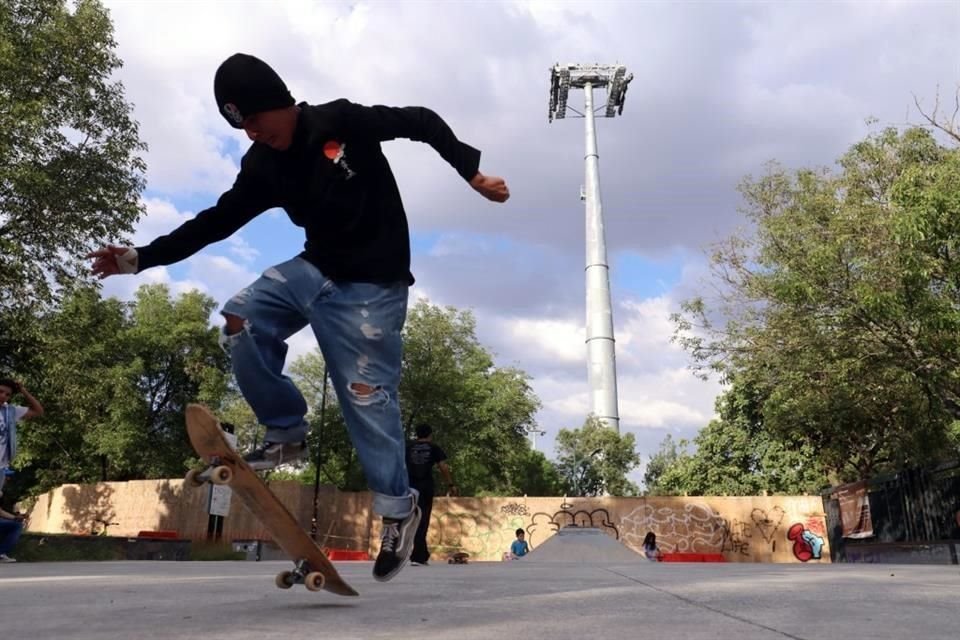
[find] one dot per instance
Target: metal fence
(918, 507)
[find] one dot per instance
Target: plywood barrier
(742, 529)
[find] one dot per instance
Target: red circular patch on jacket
(331, 149)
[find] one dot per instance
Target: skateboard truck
(215, 472)
(301, 574)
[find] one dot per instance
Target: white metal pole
(601, 355)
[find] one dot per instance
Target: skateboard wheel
(193, 479)
(314, 581)
(221, 475)
(284, 579)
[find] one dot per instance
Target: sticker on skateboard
(226, 467)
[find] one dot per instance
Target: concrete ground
(503, 601)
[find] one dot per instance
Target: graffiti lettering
(694, 528)
(697, 528)
(543, 525)
(514, 509)
(736, 537)
(479, 535)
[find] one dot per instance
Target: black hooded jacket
(333, 181)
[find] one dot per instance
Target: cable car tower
(601, 355)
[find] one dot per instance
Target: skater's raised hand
(111, 260)
(490, 187)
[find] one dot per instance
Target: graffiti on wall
(760, 533)
(697, 528)
(514, 509)
(742, 536)
(477, 534)
(693, 528)
(807, 545)
(543, 525)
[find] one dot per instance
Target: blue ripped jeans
(10, 531)
(358, 328)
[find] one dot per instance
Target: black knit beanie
(245, 85)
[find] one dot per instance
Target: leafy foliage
(70, 174)
(840, 311)
(735, 456)
(595, 460)
(114, 379)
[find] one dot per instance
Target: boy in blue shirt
(519, 548)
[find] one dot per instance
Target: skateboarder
(324, 166)
(422, 454)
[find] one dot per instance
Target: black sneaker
(272, 454)
(414, 563)
(396, 544)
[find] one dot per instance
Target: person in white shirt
(10, 414)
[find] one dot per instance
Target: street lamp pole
(533, 437)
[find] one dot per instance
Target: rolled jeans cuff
(396, 507)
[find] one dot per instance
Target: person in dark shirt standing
(323, 164)
(422, 454)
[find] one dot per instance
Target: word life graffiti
(739, 535)
(807, 545)
(543, 525)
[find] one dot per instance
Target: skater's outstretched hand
(490, 187)
(111, 260)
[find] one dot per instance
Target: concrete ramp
(583, 545)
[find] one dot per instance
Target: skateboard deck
(458, 558)
(227, 467)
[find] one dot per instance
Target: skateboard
(458, 558)
(226, 467)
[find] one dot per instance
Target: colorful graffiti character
(806, 544)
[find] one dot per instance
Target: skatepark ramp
(582, 545)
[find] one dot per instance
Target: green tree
(737, 456)
(70, 173)
(841, 307)
(533, 475)
(595, 460)
(174, 359)
(114, 379)
(663, 460)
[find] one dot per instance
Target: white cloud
(160, 217)
(125, 286)
(242, 249)
(550, 339)
(300, 344)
